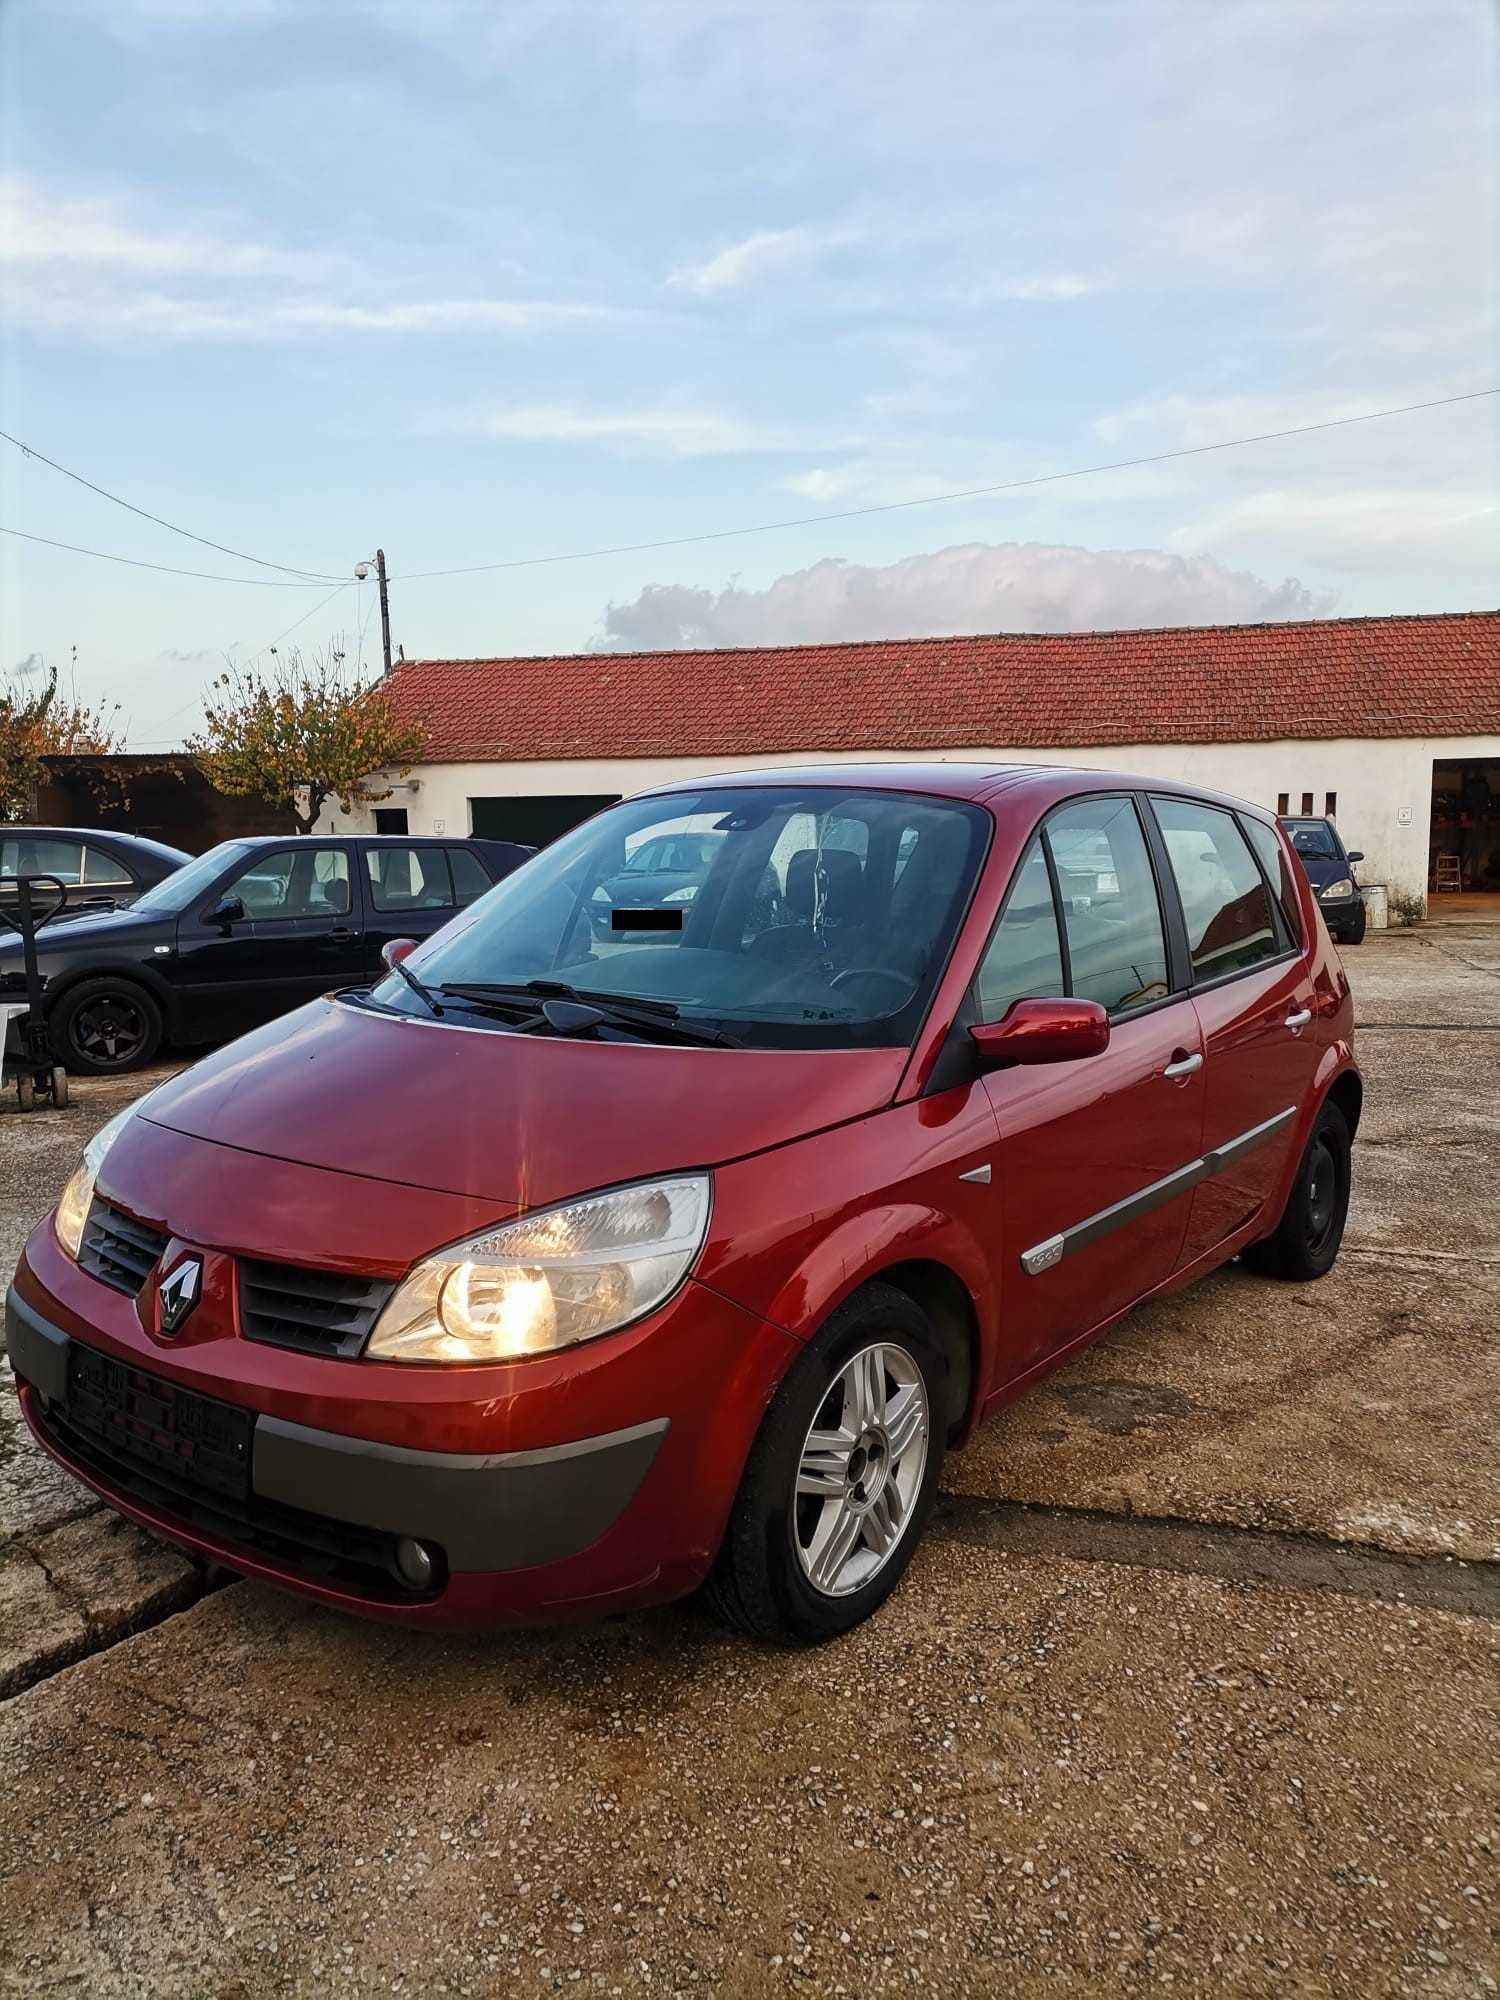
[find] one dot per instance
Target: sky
(488, 281)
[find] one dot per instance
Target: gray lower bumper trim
(38, 1349)
(489, 1511)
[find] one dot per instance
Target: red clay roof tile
(1359, 677)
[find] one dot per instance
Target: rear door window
(1277, 864)
(469, 879)
(409, 878)
(102, 871)
(1224, 900)
(1117, 948)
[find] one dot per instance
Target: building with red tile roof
(1369, 718)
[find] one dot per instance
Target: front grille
(316, 1312)
(117, 1249)
(89, 1434)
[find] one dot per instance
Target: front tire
(840, 1480)
(1306, 1241)
(103, 1027)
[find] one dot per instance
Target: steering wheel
(908, 986)
(11, 921)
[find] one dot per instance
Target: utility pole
(385, 609)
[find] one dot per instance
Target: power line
(206, 576)
(936, 499)
(29, 451)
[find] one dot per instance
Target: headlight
(600, 896)
(1338, 892)
(550, 1279)
(78, 1195)
(684, 895)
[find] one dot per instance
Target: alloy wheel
(860, 1470)
(109, 1030)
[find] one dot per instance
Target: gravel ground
(1064, 1759)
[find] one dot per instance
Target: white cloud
(83, 266)
(37, 227)
(1354, 530)
(680, 430)
(979, 587)
(1043, 288)
(756, 256)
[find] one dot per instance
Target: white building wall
(1384, 785)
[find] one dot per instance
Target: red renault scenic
(620, 1242)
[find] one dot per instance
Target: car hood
(1323, 869)
(79, 923)
(510, 1118)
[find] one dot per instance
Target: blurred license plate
(190, 1439)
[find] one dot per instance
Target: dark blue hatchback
(1330, 869)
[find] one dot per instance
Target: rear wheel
(1306, 1241)
(103, 1026)
(841, 1479)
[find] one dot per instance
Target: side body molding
(1043, 1256)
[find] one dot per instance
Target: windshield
(173, 893)
(808, 918)
(1312, 837)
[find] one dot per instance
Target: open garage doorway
(1463, 868)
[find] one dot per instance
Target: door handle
(1298, 1020)
(1184, 1065)
(341, 934)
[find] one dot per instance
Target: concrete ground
(1191, 1686)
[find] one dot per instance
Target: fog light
(414, 1564)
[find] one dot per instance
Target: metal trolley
(25, 1047)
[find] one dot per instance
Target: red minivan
(610, 1247)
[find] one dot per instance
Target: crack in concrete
(1265, 1556)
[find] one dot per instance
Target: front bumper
(490, 1511)
(533, 1525)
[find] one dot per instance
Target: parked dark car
(98, 870)
(241, 934)
(1330, 869)
(664, 872)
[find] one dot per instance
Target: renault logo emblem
(178, 1293)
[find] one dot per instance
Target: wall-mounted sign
(441, 825)
(1403, 815)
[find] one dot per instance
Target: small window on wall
(1330, 805)
(1307, 805)
(1283, 804)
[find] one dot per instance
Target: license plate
(194, 1440)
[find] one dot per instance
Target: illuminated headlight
(77, 1197)
(1338, 892)
(550, 1279)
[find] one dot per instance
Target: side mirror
(1354, 854)
(229, 910)
(395, 950)
(1042, 1031)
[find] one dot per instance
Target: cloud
(1355, 530)
(978, 587)
(681, 431)
(755, 256)
(37, 227)
(83, 267)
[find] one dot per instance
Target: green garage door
(533, 821)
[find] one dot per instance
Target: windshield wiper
(619, 1009)
(424, 993)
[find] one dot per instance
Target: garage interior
(1463, 865)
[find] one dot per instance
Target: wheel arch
(949, 1305)
(1347, 1091)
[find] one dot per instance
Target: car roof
(100, 836)
(1041, 785)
